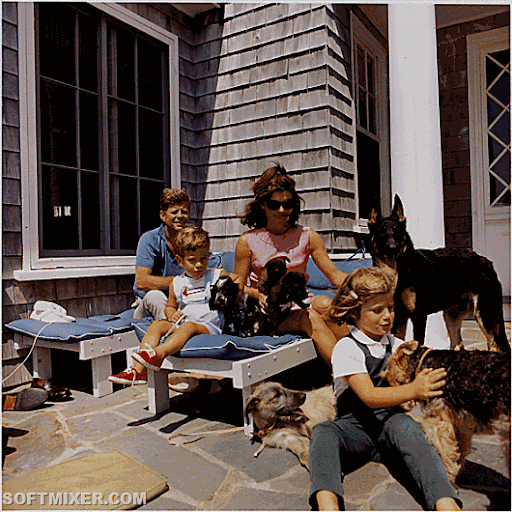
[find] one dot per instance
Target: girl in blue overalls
(368, 424)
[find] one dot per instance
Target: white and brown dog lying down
(283, 418)
(476, 397)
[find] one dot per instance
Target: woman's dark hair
(274, 179)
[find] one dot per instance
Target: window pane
(362, 110)
(150, 75)
(123, 138)
(89, 143)
(361, 68)
(371, 77)
(371, 115)
(57, 41)
(501, 89)
(122, 64)
(60, 212)
(150, 192)
(88, 53)
(501, 129)
(151, 144)
(91, 226)
(58, 124)
(368, 172)
(124, 201)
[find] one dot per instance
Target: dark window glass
(103, 130)
(60, 212)
(150, 75)
(368, 172)
(58, 124)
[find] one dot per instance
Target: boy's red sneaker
(148, 358)
(129, 376)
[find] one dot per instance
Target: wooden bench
(245, 373)
(97, 350)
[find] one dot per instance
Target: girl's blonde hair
(358, 287)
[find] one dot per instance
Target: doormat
(101, 481)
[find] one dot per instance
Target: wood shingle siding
(272, 84)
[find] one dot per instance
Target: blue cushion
(224, 346)
(81, 329)
(227, 261)
(318, 280)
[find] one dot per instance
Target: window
(104, 139)
(372, 154)
(497, 90)
(103, 112)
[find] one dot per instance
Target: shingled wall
(271, 82)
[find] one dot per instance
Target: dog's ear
(251, 406)
(374, 217)
(398, 209)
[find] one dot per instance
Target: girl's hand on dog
(428, 383)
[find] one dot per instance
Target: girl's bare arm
(427, 384)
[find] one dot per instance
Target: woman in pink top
(272, 216)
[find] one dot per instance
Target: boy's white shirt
(348, 358)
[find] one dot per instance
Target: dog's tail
(489, 308)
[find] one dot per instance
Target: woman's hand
(428, 382)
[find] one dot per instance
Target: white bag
(50, 312)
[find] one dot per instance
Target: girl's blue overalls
(360, 434)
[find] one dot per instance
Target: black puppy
(242, 314)
(456, 281)
(289, 289)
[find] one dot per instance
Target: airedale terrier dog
(475, 399)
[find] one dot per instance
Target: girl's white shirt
(348, 358)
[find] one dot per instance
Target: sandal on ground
(26, 400)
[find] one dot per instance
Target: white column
(416, 167)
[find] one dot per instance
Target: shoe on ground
(130, 377)
(183, 383)
(148, 358)
(25, 400)
(55, 393)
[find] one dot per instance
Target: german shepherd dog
(456, 281)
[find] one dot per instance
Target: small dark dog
(283, 418)
(289, 289)
(476, 397)
(456, 281)
(242, 314)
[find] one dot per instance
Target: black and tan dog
(243, 314)
(476, 397)
(283, 418)
(456, 281)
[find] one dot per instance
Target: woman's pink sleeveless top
(263, 246)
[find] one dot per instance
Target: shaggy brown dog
(476, 397)
(283, 418)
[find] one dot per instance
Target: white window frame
(33, 266)
(479, 45)
(363, 37)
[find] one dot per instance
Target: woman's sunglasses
(275, 205)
